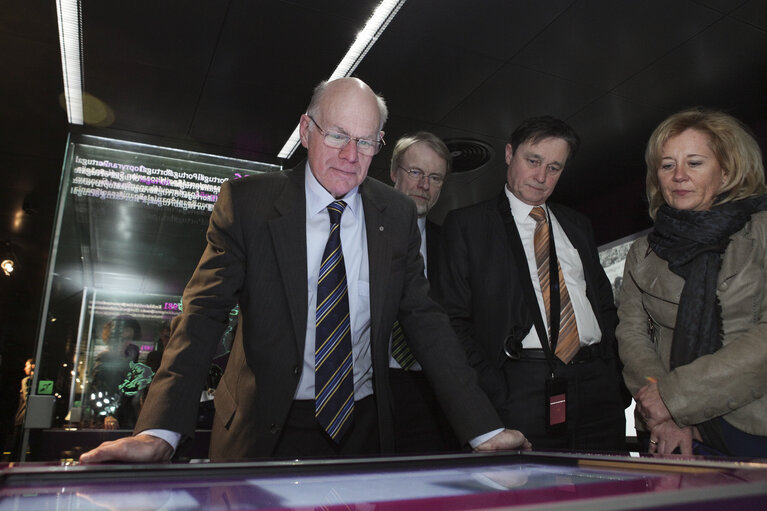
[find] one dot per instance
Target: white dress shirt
(572, 268)
(354, 244)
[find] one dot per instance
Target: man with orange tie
(521, 281)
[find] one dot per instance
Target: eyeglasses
(418, 174)
(339, 140)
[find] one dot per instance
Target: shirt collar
(318, 198)
(519, 209)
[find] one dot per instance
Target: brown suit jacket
(256, 256)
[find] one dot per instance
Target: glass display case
(129, 230)
(522, 480)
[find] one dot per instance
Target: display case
(129, 230)
(523, 480)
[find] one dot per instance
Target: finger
(107, 451)
(97, 455)
(685, 447)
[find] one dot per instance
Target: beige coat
(732, 382)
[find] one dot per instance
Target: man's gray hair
(319, 91)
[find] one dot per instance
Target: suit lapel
(288, 231)
(520, 268)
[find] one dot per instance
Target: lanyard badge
(556, 405)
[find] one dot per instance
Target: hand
(651, 405)
(508, 439)
(132, 449)
(111, 422)
(667, 436)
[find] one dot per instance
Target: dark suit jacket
(480, 289)
(432, 250)
(432, 254)
(256, 256)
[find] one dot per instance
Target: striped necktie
(569, 341)
(333, 377)
(399, 348)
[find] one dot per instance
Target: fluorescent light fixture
(366, 38)
(69, 14)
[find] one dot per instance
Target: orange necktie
(569, 341)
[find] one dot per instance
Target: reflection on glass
(130, 228)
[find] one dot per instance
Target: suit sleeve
(607, 313)
(637, 349)
(604, 293)
(211, 293)
(453, 289)
(436, 347)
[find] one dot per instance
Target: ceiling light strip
(365, 40)
(70, 43)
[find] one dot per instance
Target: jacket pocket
(652, 331)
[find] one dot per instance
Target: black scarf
(693, 242)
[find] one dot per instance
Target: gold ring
(654, 442)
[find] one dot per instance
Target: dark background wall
(232, 77)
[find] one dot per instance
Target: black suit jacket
(480, 289)
(432, 257)
(256, 256)
(432, 250)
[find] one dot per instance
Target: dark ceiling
(232, 77)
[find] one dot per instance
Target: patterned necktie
(399, 348)
(569, 341)
(333, 378)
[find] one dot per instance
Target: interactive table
(519, 480)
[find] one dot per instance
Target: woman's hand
(651, 406)
(667, 436)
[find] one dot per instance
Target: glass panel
(130, 229)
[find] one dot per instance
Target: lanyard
(515, 244)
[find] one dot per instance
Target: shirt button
(296, 369)
(732, 404)
(708, 412)
(274, 429)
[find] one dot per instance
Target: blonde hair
(732, 143)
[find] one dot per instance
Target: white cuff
(171, 437)
(481, 439)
